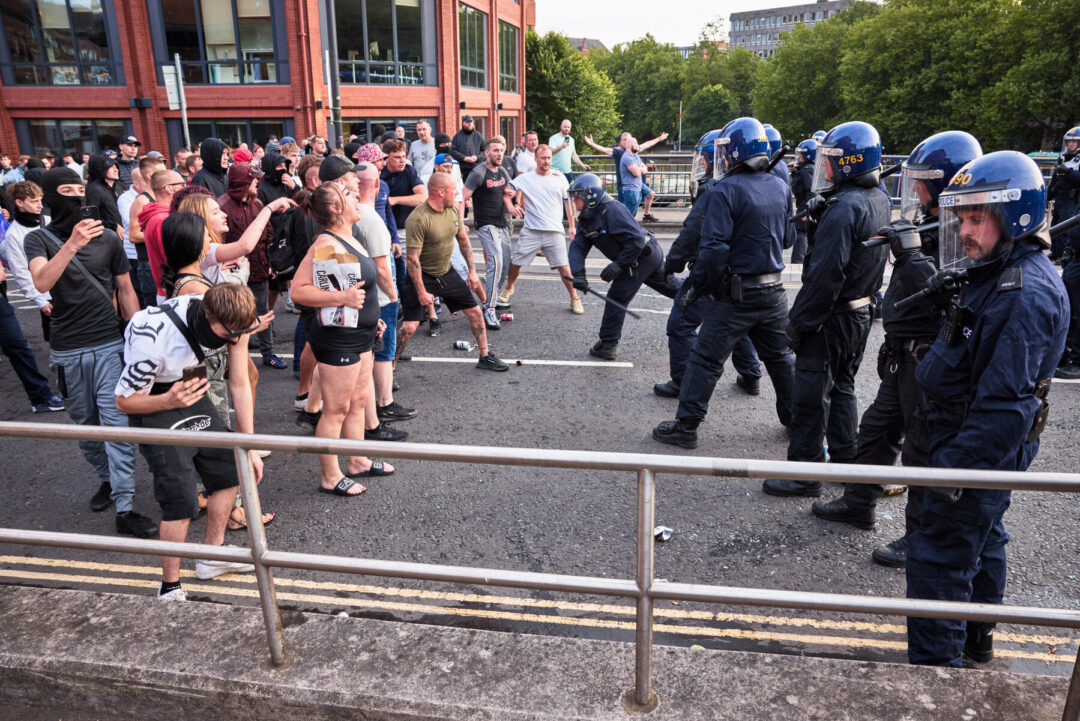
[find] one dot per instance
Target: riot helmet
(775, 140)
(1072, 138)
(702, 166)
(807, 150)
(742, 141)
(590, 189)
(928, 170)
(818, 136)
(850, 152)
(990, 203)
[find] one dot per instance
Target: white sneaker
(291, 307)
(205, 570)
(576, 307)
(490, 319)
(177, 594)
(264, 453)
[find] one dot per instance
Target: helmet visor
(970, 232)
(916, 197)
(825, 170)
(699, 167)
(1070, 144)
(719, 167)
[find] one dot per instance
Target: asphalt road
(572, 522)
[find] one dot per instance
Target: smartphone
(89, 212)
(198, 371)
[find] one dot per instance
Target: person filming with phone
(82, 264)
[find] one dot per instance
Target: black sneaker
(434, 326)
(308, 421)
(385, 432)
(136, 524)
(893, 555)
(784, 487)
(750, 384)
(666, 390)
(604, 349)
(394, 411)
(840, 510)
(103, 498)
(490, 363)
(979, 647)
(674, 433)
(1068, 373)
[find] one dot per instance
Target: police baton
(598, 294)
(891, 171)
(777, 157)
(876, 240)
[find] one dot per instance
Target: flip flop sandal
(234, 525)
(342, 489)
(377, 469)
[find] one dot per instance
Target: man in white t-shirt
(526, 159)
(422, 151)
(544, 193)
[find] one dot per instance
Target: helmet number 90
(850, 159)
(961, 179)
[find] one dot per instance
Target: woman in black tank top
(344, 354)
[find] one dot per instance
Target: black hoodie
(270, 187)
(212, 175)
(101, 194)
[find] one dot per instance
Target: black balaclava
(200, 326)
(63, 208)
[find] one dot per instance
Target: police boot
(604, 349)
(666, 390)
(750, 384)
(893, 555)
(979, 647)
(840, 510)
(785, 487)
(676, 433)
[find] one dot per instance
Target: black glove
(689, 297)
(673, 266)
(612, 271)
(814, 205)
(903, 238)
(580, 283)
(946, 281)
(794, 338)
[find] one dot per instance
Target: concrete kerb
(133, 657)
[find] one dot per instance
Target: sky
(615, 21)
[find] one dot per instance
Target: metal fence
(644, 588)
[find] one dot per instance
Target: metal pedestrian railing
(644, 588)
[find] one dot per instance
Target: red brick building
(76, 74)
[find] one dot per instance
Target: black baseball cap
(467, 119)
(335, 166)
(129, 140)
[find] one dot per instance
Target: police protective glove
(814, 205)
(673, 266)
(612, 271)
(689, 296)
(947, 281)
(580, 283)
(903, 238)
(794, 338)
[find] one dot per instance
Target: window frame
(482, 72)
(174, 128)
(428, 66)
(25, 137)
(163, 58)
(509, 51)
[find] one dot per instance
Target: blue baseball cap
(444, 159)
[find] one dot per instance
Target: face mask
(200, 326)
(28, 220)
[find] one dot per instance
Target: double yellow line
(1055, 649)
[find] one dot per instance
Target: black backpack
(284, 252)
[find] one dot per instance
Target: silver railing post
(264, 577)
(646, 517)
(1072, 699)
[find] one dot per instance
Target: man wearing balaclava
(83, 266)
(276, 181)
(215, 165)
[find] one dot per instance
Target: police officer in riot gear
(831, 317)
(802, 180)
(682, 326)
(818, 136)
(896, 415)
(776, 142)
(986, 378)
(636, 257)
(745, 229)
(1064, 190)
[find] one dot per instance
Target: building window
(508, 129)
(224, 41)
(368, 130)
(508, 58)
(386, 42)
(60, 42)
(472, 28)
(36, 137)
(231, 131)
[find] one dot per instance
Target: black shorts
(334, 357)
(451, 287)
(174, 480)
(278, 283)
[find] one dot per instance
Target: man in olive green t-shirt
(430, 233)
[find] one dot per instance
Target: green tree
(563, 84)
(711, 107)
(738, 72)
(648, 79)
(799, 88)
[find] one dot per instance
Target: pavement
(125, 657)
(726, 532)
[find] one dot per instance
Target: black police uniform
(611, 229)
(830, 319)
(682, 327)
(1065, 192)
(746, 226)
(896, 415)
(981, 411)
(801, 183)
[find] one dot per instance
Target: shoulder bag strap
(77, 265)
(189, 336)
